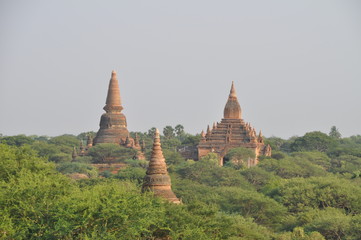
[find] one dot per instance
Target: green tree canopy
(313, 141)
(179, 130)
(18, 140)
(168, 132)
(110, 152)
(239, 156)
(334, 133)
(66, 140)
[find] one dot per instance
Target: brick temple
(232, 132)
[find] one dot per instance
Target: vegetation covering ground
(309, 189)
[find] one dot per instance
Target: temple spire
(143, 145)
(157, 179)
(260, 137)
(89, 141)
(74, 154)
(232, 110)
(203, 136)
(232, 93)
(136, 140)
(113, 101)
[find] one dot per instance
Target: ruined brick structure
(232, 132)
(157, 179)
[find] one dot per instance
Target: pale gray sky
(296, 64)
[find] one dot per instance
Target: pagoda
(232, 132)
(113, 123)
(157, 179)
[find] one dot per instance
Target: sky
(296, 65)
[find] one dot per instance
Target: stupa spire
(113, 123)
(157, 179)
(74, 154)
(203, 136)
(232, 110)
(143, 145)
(136, 140)
(113, 102)
(260, 137)
(208, 130)
(232, 93)
(89, 141)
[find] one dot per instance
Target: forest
(310, 189)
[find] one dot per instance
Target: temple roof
(232, 110)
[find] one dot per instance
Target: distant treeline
(309, 189)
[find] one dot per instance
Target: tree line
(309, 189)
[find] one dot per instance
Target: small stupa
(157, 179)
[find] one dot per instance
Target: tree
(171, 144)
(18, 140)
(132, 173)
(191, 140)
(257, 176)
(151, 132)
(334, 133)
(76, 167)
(238, 157)
(207, 171)
(110, 152)
(179, 130)
(345, 164)
(318, 158)
(84, 135)
(275, 142)
(66, 140)
(168, 132)
(60, 157)
(313, 141)
(45, 149)
(291, 167)
(172, 158)
(301, 194)
(331, 223)
(210, 159)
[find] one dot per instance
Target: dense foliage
(309, 189)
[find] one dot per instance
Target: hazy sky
(296, 64)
